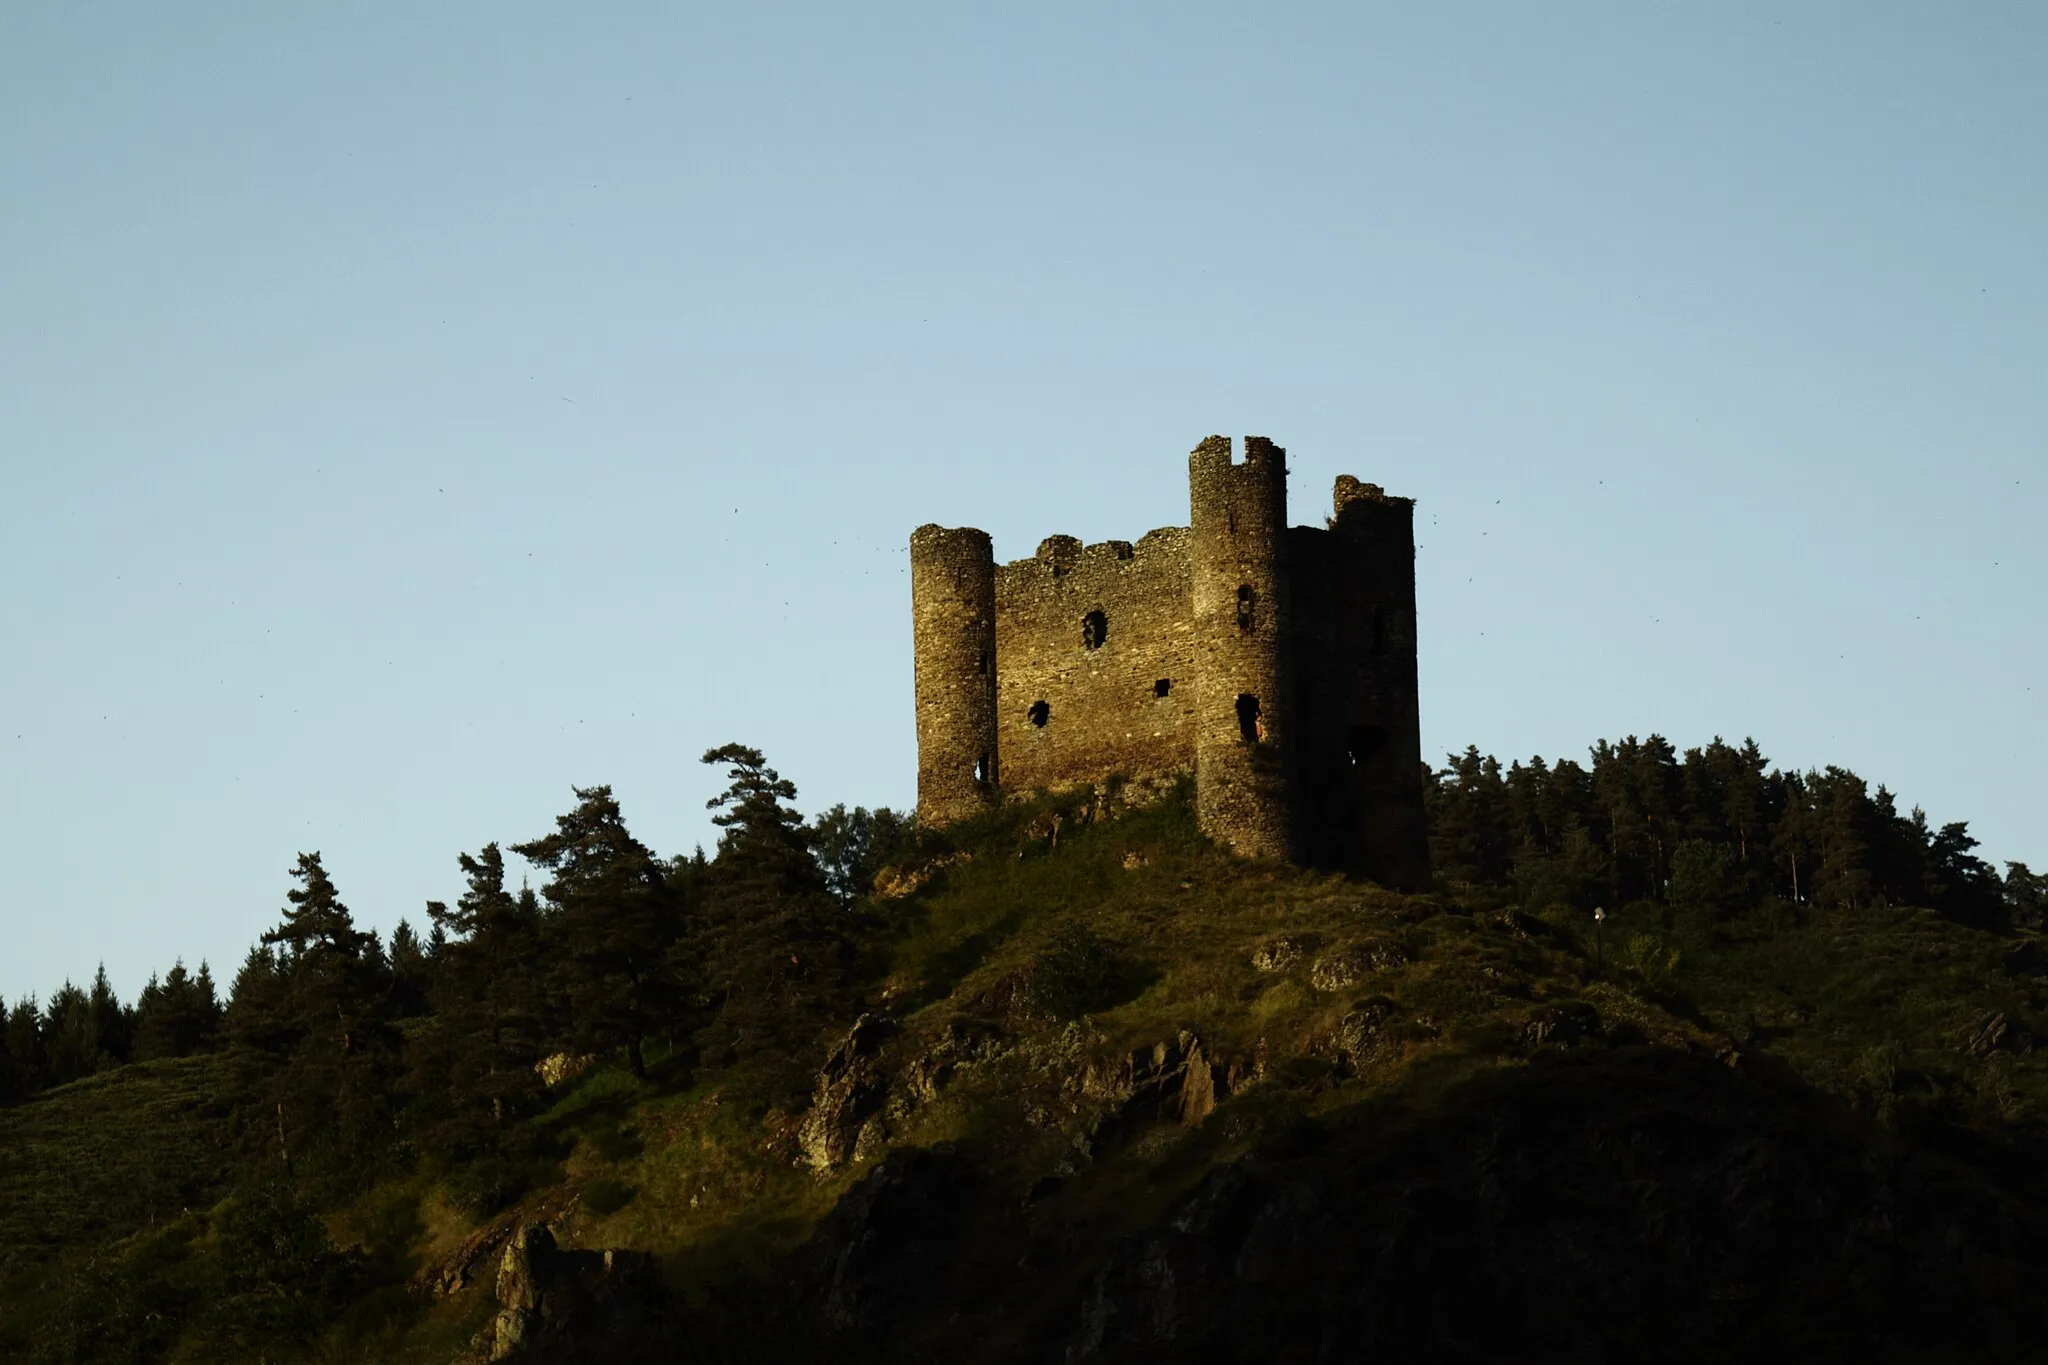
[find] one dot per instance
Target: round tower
(1244, 758)
(953, 636)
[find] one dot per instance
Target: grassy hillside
(1095, 1034)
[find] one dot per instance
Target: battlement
(1275, 664)
(1216, 452)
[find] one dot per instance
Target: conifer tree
(178, 1016)
(488, 992)
(411, 972)
(112, 1026)
(324, 1017)
(25, 1052)
(71, 1046)
(612, 925)
(774, 946)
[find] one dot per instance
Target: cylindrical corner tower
(1243, 748)
(953, 633)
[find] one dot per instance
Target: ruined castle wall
(1090, 633)
(1353, 640)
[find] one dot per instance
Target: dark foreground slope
(1118, 1097)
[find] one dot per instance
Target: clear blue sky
(409, 411)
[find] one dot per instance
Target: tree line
(431, 1046)
(349, 1048)
(1716, 827)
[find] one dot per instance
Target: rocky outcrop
(563, 1066)
(848, 1094)
(1282, 953)
(1178, 1082)
(1347, 966)
(885, 1247)
(856, 1103)
(556, 1304)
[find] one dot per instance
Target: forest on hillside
(338, 1060)
(754, 948)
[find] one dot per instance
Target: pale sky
(410, 411)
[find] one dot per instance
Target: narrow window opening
(981, 664)
(1162, 687)
(1379, 630)
(1040, 713)
(1230, 519)
(1248, 723)
(1363, 742)
(1247, 601)
(981, 770)
(1094, 630)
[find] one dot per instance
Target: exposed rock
(894, 883)
(547, 1295)
(887, 1242)
(1986, 1036)
(1346, 967)
(1358, 1035)
(849, 1091)
(1279, 954)
(964, 1042)
(1562, 1025)
(563, 1066)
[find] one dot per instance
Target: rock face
(557, 1305)
(848, 1095)
(886, 1246)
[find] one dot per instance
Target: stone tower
(1244, 757)
(1275, 663)
(953, 600)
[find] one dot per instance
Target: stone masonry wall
(1090, 634)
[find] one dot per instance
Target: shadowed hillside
(1072, 1084)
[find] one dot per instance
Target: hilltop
(1098, 1090)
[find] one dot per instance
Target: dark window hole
(1040, 713)
(1162, 687)
(1248, 724)
(1094, 630)
(1246, 601)
(981, 770)
(981, 664)
(1379, 630)
(1364, 741)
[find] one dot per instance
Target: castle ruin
(1276, 663)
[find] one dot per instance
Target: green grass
(105, 1156)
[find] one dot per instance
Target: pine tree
(613, 925)
(325, 1015)
(487, 993)
(71, 1046)
(176, 1017)
(2026, 897)
(25, 1051)
(113, 1027)
(411, 972)
(774, 948)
